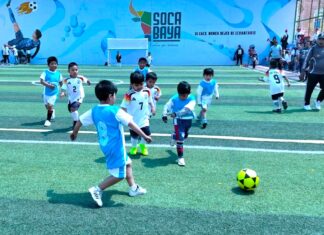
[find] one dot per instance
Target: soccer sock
(49, 114)
(276, 104)
(134, 142)
(11, 16)
(180, 149)
(143, 141)
(75, 115)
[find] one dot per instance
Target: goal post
(126, 44)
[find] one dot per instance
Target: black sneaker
(204, 125)
(284, 104)
(8, 3)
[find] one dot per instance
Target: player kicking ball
(73, 88)
(277, 86)
(109, 120)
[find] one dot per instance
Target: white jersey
(276, 81)
(155, 93)
(74, 88)
(137, 104)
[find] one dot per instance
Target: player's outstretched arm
(287, 80)
(75, 131)
(135, 128)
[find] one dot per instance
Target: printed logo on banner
(158, 26)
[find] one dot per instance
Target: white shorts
(120, 172)
(206, 101)
(49, 99)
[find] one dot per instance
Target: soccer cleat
(143, 149)
(307, 107)
(204, 125)
(317, 105)
(133, 151)
(8, 3)
(284, 104)
(276, 110)
(47, 123)
(138, 191)
(181, 161)
(96, 194)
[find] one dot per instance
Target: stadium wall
(181, 32)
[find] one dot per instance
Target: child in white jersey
(156, 93)
(109, 120)
(138, 103)
(277, 86)
(73, 88)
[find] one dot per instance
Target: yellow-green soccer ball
(247, 179)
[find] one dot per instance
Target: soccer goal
(126, 44)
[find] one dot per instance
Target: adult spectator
(239, 55)
(276, 53)
(284, 41)
(314, 65)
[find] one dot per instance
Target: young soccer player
(181, 108)
(156, 93)
(142, 67)
(138, 103)
(51, 79)
(206, 89)
(277, 86)
(108, 120)
(72, 86)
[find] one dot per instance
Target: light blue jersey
(208, 88)
(143, 71)
(184, 109)
(53, 78)
(108, 120)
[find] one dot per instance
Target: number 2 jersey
(74, 88)
(137, 104)
(276, 81)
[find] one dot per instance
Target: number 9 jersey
(276, 81)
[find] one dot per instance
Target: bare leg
(109, 181)
(129, 175)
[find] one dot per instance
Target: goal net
(114, 44)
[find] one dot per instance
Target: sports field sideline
(45, 177)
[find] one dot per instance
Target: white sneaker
(96, 195)
(47, 123)
(307, 107)
(181, 161)
(317, 105)
(138, 191)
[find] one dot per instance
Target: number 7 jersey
(276, 81)
(137, 104)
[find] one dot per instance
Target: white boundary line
(236, 138)
(168, 146)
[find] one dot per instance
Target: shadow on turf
(239, 191)
(40, 123)
(83, 199)
(158, 162)
(283, 112)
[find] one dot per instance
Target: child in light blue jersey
(207, 88)
(142, 67)
(109, 120)
(181, 108)
(52, 80)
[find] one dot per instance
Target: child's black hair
(151, 75)
(136, 78)
(273, 64)
(142, 59)
(208, 71)
(184, 88)
(51, 59)
(105, 88)
(71, 65)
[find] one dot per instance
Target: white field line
(168, 146)
(119, 82)
(236, 138)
